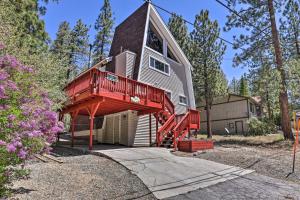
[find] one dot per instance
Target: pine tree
(179, 30)
(62, 43)
(103, 39)
(234, 86)
(78, 56)
(208, 79)
(290, 29)
(258, 18)
(244, 88)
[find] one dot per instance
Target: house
(231, 112)
(143, 50)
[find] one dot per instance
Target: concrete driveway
(167, 175)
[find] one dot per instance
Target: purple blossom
(11, 85)
(2, 143)
(11, 117)
(3, 75)
(11, 148)
(22, 154)
(9, 61)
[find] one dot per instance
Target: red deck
(113, 94)
(98, 93)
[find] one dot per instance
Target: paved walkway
(251, 186)
(167, 175)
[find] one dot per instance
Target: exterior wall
(218, 127)
(228, 115)
(176, 83)
(125, 62)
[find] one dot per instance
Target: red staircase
(175, 127)
(97, 93)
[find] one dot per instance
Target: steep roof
(129, 35)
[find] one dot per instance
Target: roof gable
(129, 35)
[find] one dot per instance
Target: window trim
(169, 91)
(169, 47)
(180, 103)
(153, 68)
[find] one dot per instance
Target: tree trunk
(283, 97)
(206, 91)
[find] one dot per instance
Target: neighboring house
(231, 112)
(143, 49)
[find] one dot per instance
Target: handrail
(96, 80)
(194, 117)
(169, 104)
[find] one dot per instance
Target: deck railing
(95, 81)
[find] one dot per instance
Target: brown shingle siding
(129, 35)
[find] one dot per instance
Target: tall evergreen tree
(290, 29)
(208, 79)
(79, 48)
(244, 88)
(234, 86)
(258, 18)
(103, 26)
(179, 30)
(62, 43)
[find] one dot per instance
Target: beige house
(231, 112)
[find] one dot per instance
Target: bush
(27, 124)
(261, 127)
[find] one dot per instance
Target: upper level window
(169, 94)
(171, 55)
(160, 66)
(182, 100)
(154, 41)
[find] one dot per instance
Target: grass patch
(249, 140)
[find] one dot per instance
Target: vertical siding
(176, 83)
(130, 62)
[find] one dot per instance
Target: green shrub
(260, 127)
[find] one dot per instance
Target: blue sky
(88, 10)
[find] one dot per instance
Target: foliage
(260, 127)
(234, 86)
(244, 88)
(103, 26)
(49, 74)
(27, 124)
(208, 79)
(261, 44)
(179, 30)
(290, 29)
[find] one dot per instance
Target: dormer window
(154, 41)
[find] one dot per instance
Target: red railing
(195, 117)
(97, 81)
(169, 105)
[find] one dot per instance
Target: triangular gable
(158, 22)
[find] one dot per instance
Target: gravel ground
(80, 177)
(271, 160)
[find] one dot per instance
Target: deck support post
(73, 116)
(156, 130)
(60, 118)
(92, 111)
(150, 131)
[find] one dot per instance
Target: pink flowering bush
(27, 124)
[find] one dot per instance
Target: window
(182, 100)
(169, 94)
(154, 41)
(160, 66)
(171, 55)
